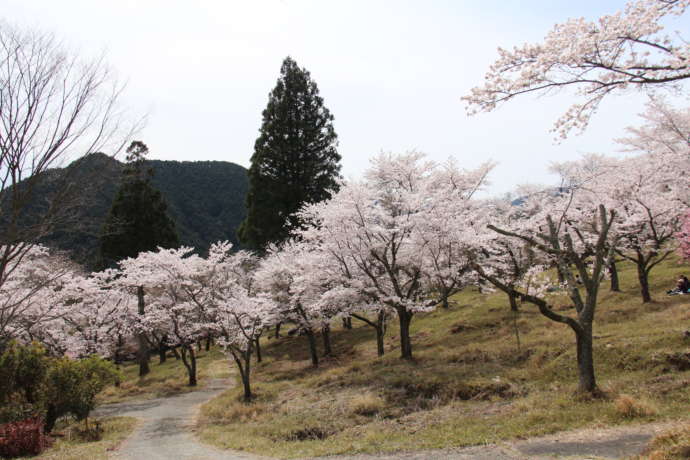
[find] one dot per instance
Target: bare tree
(54, 107)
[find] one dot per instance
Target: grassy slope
(167, 379)
(470, 386)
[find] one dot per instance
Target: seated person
(682, 286)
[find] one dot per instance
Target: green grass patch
(74, 444)
(167, 379)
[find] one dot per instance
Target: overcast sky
(391, 72)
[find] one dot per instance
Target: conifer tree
(295, 159)
(138, 219)
(137, 222)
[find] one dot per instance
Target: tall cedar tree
(295, 158)
(138, 219)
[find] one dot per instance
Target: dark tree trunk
(643, 277)
(277, 335)
(243, 359)
(198, 345)
(176, 353)
(51, 418)
(162, 354)
(189, 360)
(380, 328)
(561, 277)
(143, 351)
(613, 273)
(513, 302)
(326, 333)
(444, 302)
(347, 323)
(585, 360)
(312, 347)
(245, 376)
(118, 350)
(257, 344)
(405, 318)
(209, 341)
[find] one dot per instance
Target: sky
(392, 72)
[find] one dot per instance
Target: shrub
(21, 438)
(367, 404)
(73, 386)
(23, 371)
(629, 407)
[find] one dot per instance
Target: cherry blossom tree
(233, 311)
(99, 314)
(32, 293)
(666, 130)
(286, 276)
(613, 54)
(170, 278)
(650, 194)
(378, 231)
(565, 232)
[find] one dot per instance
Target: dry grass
(630, 407)
(671, 445)
(367, 404)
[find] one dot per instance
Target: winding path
(167, 428)
(167, 433)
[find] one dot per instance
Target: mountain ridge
(206, 199)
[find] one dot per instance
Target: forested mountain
(205, 198)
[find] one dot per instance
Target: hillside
(470, 383)
(205, 198)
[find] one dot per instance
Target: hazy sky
(392, 73)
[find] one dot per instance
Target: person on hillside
(682, 286)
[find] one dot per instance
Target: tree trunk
(209, 340)
(277, 335)
(613, 272)
(347, 323)
(405, 318)
(585, 360)
(189, 360)
(162, 354)
(312, 348)
(380, 349)
(643, 277)
(257, 344)
(444, 302)
(513, 302)
(143, 351)
(51, 418)
(326, 333)
(245, 376)
(118, 349)
(176, 353)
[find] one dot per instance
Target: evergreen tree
(138, 219)
(295, 159)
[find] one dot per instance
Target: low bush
(629, 407)
(25, 437)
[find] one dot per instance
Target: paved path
(166, 433)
